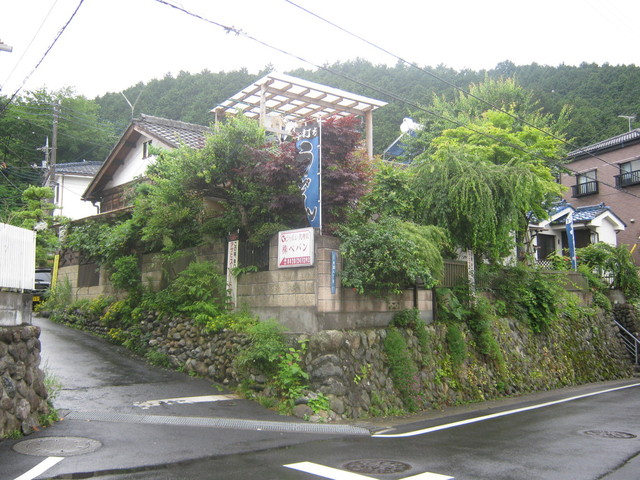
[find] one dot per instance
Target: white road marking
(185, 400)
(498, 415)
(336, 474)
(40, 468)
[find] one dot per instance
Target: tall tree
(481, 181)
(35, 214)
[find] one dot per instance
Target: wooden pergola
(277, 99)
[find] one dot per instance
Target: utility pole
(45, 163)
(54, 147)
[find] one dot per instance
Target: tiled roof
(583, 214)
(617, 141)
(78, 168)
(173, 132)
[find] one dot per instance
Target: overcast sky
(113, 44)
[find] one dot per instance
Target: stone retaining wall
(23, 396)
(625, 314)
(351, 369)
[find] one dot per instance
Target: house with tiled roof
(608, 171)
(128, 160)
(591, 224)
(69, 183)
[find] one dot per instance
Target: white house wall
(606, 232)
(134, 165)
(69, 202)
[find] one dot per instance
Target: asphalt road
(133, 421)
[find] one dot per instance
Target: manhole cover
(57, 446)
(609, 434)
(377, 466)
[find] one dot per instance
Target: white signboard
(232, 262)
(296, 248)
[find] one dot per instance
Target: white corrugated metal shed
(17, 258)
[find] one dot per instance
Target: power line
(31, 42)
(386, 93)
(55, 40)
(462, 90)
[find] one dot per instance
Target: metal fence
(455, 273)
(17, 258)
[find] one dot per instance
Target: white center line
(40, 468)
(185, 400)
(336, 474)
(498, 415)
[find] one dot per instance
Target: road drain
(57, 446)
(376, 466)
(610, 434)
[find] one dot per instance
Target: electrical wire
(433, 75)
(31, 42)
(55, 40)
(380, 90)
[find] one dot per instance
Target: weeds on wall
(410, 318)
(456, 308)
(403, 370)
(271, 357)
(525, 293)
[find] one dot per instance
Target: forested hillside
(89, 128)
(596, 94)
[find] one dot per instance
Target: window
(145, 149)
(586, 184)
(629, 174)
(88, 275)
(546, 246)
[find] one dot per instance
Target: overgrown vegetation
(387, 256)
(403, 370)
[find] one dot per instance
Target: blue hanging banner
(571, 240)
(308, 146)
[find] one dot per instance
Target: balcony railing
(586, 188)
(628, 178)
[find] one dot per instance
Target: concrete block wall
(302, 298)
(152, 267)
(15, 308)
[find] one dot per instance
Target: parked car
(42, 284)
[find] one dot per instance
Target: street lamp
(628, 117)
(5, 48)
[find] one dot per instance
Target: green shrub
(198, 292)
(290, 378)
(117, 314)
(57, 300)
(238, 321)
(126, 274)
(268, 345)
(603, 259)
(528, 294)
(387, 256)
(157, 358)
(449, 308)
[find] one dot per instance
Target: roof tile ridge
(166, 122)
